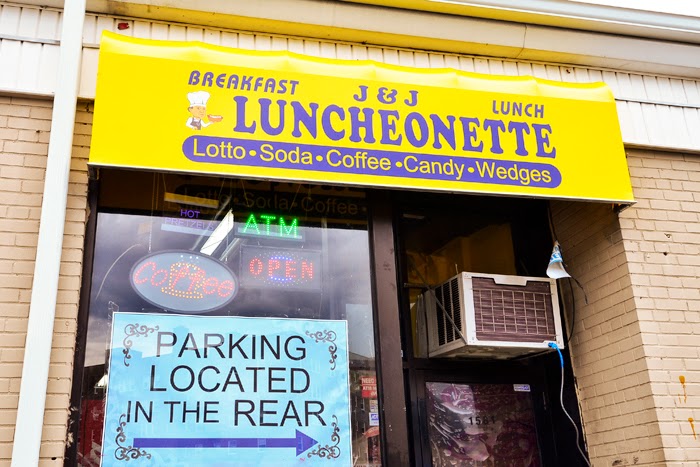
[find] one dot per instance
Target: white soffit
(528, 34)
(652, 19)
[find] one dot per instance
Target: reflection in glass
(481, 425)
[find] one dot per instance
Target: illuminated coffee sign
(280, 268)
(184, 281)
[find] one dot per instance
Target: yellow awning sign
(196, 108)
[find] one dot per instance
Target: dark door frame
(392, 400)
(71, 451)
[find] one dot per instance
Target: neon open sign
(280, 268)
(184, 281)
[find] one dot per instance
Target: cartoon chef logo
(198, 109)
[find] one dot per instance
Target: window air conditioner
(499, 316)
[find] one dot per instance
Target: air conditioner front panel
(499, 316)
(512, 312)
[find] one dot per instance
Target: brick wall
(662, 238)
(607, 345)
(24, 135)
(639, 334)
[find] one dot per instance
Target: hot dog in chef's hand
(215, 118)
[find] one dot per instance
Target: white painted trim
(575, 14)
(19, 92)
(42, 308)
(33, 40)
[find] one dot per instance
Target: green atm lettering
(251, 222)
(288, 232)
(283, 230)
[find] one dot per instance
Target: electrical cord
(572, 326)
(554, 346)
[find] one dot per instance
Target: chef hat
(198, 98)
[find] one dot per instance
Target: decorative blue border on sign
(134, 330)
(328, 451)
(126, 453)
(326, 336)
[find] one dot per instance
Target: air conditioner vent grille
(440, 297)
(513, 313)
(456, 309)
(448, 295)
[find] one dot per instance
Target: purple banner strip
(311, 157)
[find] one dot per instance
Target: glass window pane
(298, 251)
(481, 425)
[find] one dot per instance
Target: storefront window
(282, 251)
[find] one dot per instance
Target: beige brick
(9, 134)
(10, 186)
(60, 371)
(17, 253)
(665, 205)
(22, 173)
(32, 102)
(32, 186)
(9, 295)
(35, 161)
(52, 448)
(26, 239)
(30, 136)
(84, 117)
(23, 267)
(57, 401)
(12, 355)
(28, 123)
(51, 462)
(641, 173)
(690, 206)
(41, 113)
(14, 110)
(20, 199)
(8, 401)
(18, 212)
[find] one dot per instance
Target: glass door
(481, 424)
(477, 416)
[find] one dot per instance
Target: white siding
(654, 111)
(29, 22)
(28, 49)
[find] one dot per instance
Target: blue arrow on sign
(301, 442)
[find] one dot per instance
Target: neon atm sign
(271, 226)
(280, 268)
